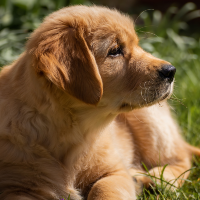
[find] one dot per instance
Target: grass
(160, 35)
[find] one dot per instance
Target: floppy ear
(64, 58)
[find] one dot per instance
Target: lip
(126, 106)
(165, 96)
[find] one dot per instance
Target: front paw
(142, 182)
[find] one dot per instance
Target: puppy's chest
(113, 148)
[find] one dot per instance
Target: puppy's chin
(156, 98)
(167, 94)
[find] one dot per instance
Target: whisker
(137, 118)
(172, 108)
(175, 99)
(141, 14)
(144, 27)
(149, 33)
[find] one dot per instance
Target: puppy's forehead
(95, 19)
(112, 22)
(110, 27)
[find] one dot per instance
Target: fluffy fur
(61, 131)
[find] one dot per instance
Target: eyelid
(115, 46)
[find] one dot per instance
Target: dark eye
(115, 52)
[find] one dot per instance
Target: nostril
(168, 71)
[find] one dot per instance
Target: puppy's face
(132, 78)
(92, 53)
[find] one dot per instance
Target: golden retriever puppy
(61, 131)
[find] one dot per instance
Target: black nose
(167, 72)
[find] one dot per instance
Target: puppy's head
(61, 54)
(92, 53)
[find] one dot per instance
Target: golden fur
(59, 133)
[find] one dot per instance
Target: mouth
(125, 106)
(168, 94)
(149, 99)
(165, 95)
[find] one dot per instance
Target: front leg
(115, 186)
(173, 175)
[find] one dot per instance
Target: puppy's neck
(85, 123)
